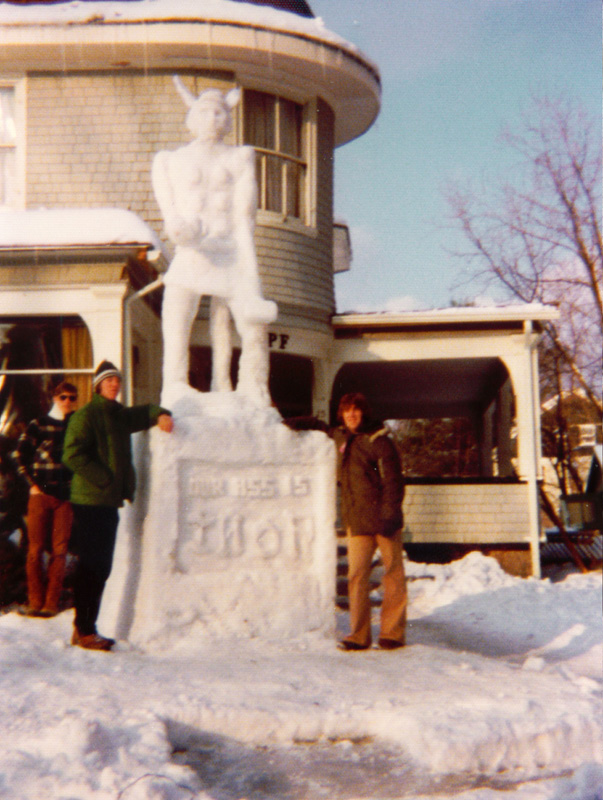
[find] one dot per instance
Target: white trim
(270, 219)
(511, 313)
(310, 148)
(19, 86)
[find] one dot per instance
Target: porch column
(503, 430)
(104, 318)
(324, 375)
(485, 431)
(524, 374)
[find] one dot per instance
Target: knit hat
(104, 370)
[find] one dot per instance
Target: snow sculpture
(238, 511)
(238, 518)
(207, 195)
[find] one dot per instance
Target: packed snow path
(500, 685)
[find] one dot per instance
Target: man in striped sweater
(38, 458)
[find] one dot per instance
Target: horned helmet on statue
(207, 194)
(197, 117)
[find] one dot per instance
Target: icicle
(145, 45)
(271, 52)
(209, 44)
(115, 58)
(63, 53)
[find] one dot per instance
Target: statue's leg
(254, 364)
(248, 304)
(221, 344)
(256, 310)
(177, 316)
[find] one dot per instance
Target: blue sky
(454, 72)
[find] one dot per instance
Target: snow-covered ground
(496, 697)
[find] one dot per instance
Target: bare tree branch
(538, 239)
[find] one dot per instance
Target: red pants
(393, 609)
(48, 521)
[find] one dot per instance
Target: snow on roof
(78, 12)
(72, 227)
(295, 6)
(517, 311)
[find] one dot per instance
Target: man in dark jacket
(372, 489)
(369, 473)
(38, 458)
(97, 450)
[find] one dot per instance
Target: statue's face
(209, 120)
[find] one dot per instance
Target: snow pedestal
(238, 535)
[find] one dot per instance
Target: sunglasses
(72, 397)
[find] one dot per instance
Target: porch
(478, 364)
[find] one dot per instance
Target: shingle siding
(91, 138)
(467, 514)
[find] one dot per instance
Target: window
(587, 435)
(12, 152)
(36, 353)
(8, 146)
(274, 127)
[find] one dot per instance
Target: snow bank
(501, 680)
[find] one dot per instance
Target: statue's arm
(245, 202)
(256, 309)
(161, 184)
(179, 230)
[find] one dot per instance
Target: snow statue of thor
(207, 194)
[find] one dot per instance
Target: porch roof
(468, 317)
(432, 364)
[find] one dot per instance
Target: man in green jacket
(97, 450)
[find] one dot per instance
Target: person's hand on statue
(165, 422)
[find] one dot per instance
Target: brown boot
(91, 641)
(390, 644)
(30, 611)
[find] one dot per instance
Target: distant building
(87, 99)
(581, 436)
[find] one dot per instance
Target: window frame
(18, 85)
(306, 222)
(48, 330)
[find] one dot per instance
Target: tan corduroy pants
(393, 609)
